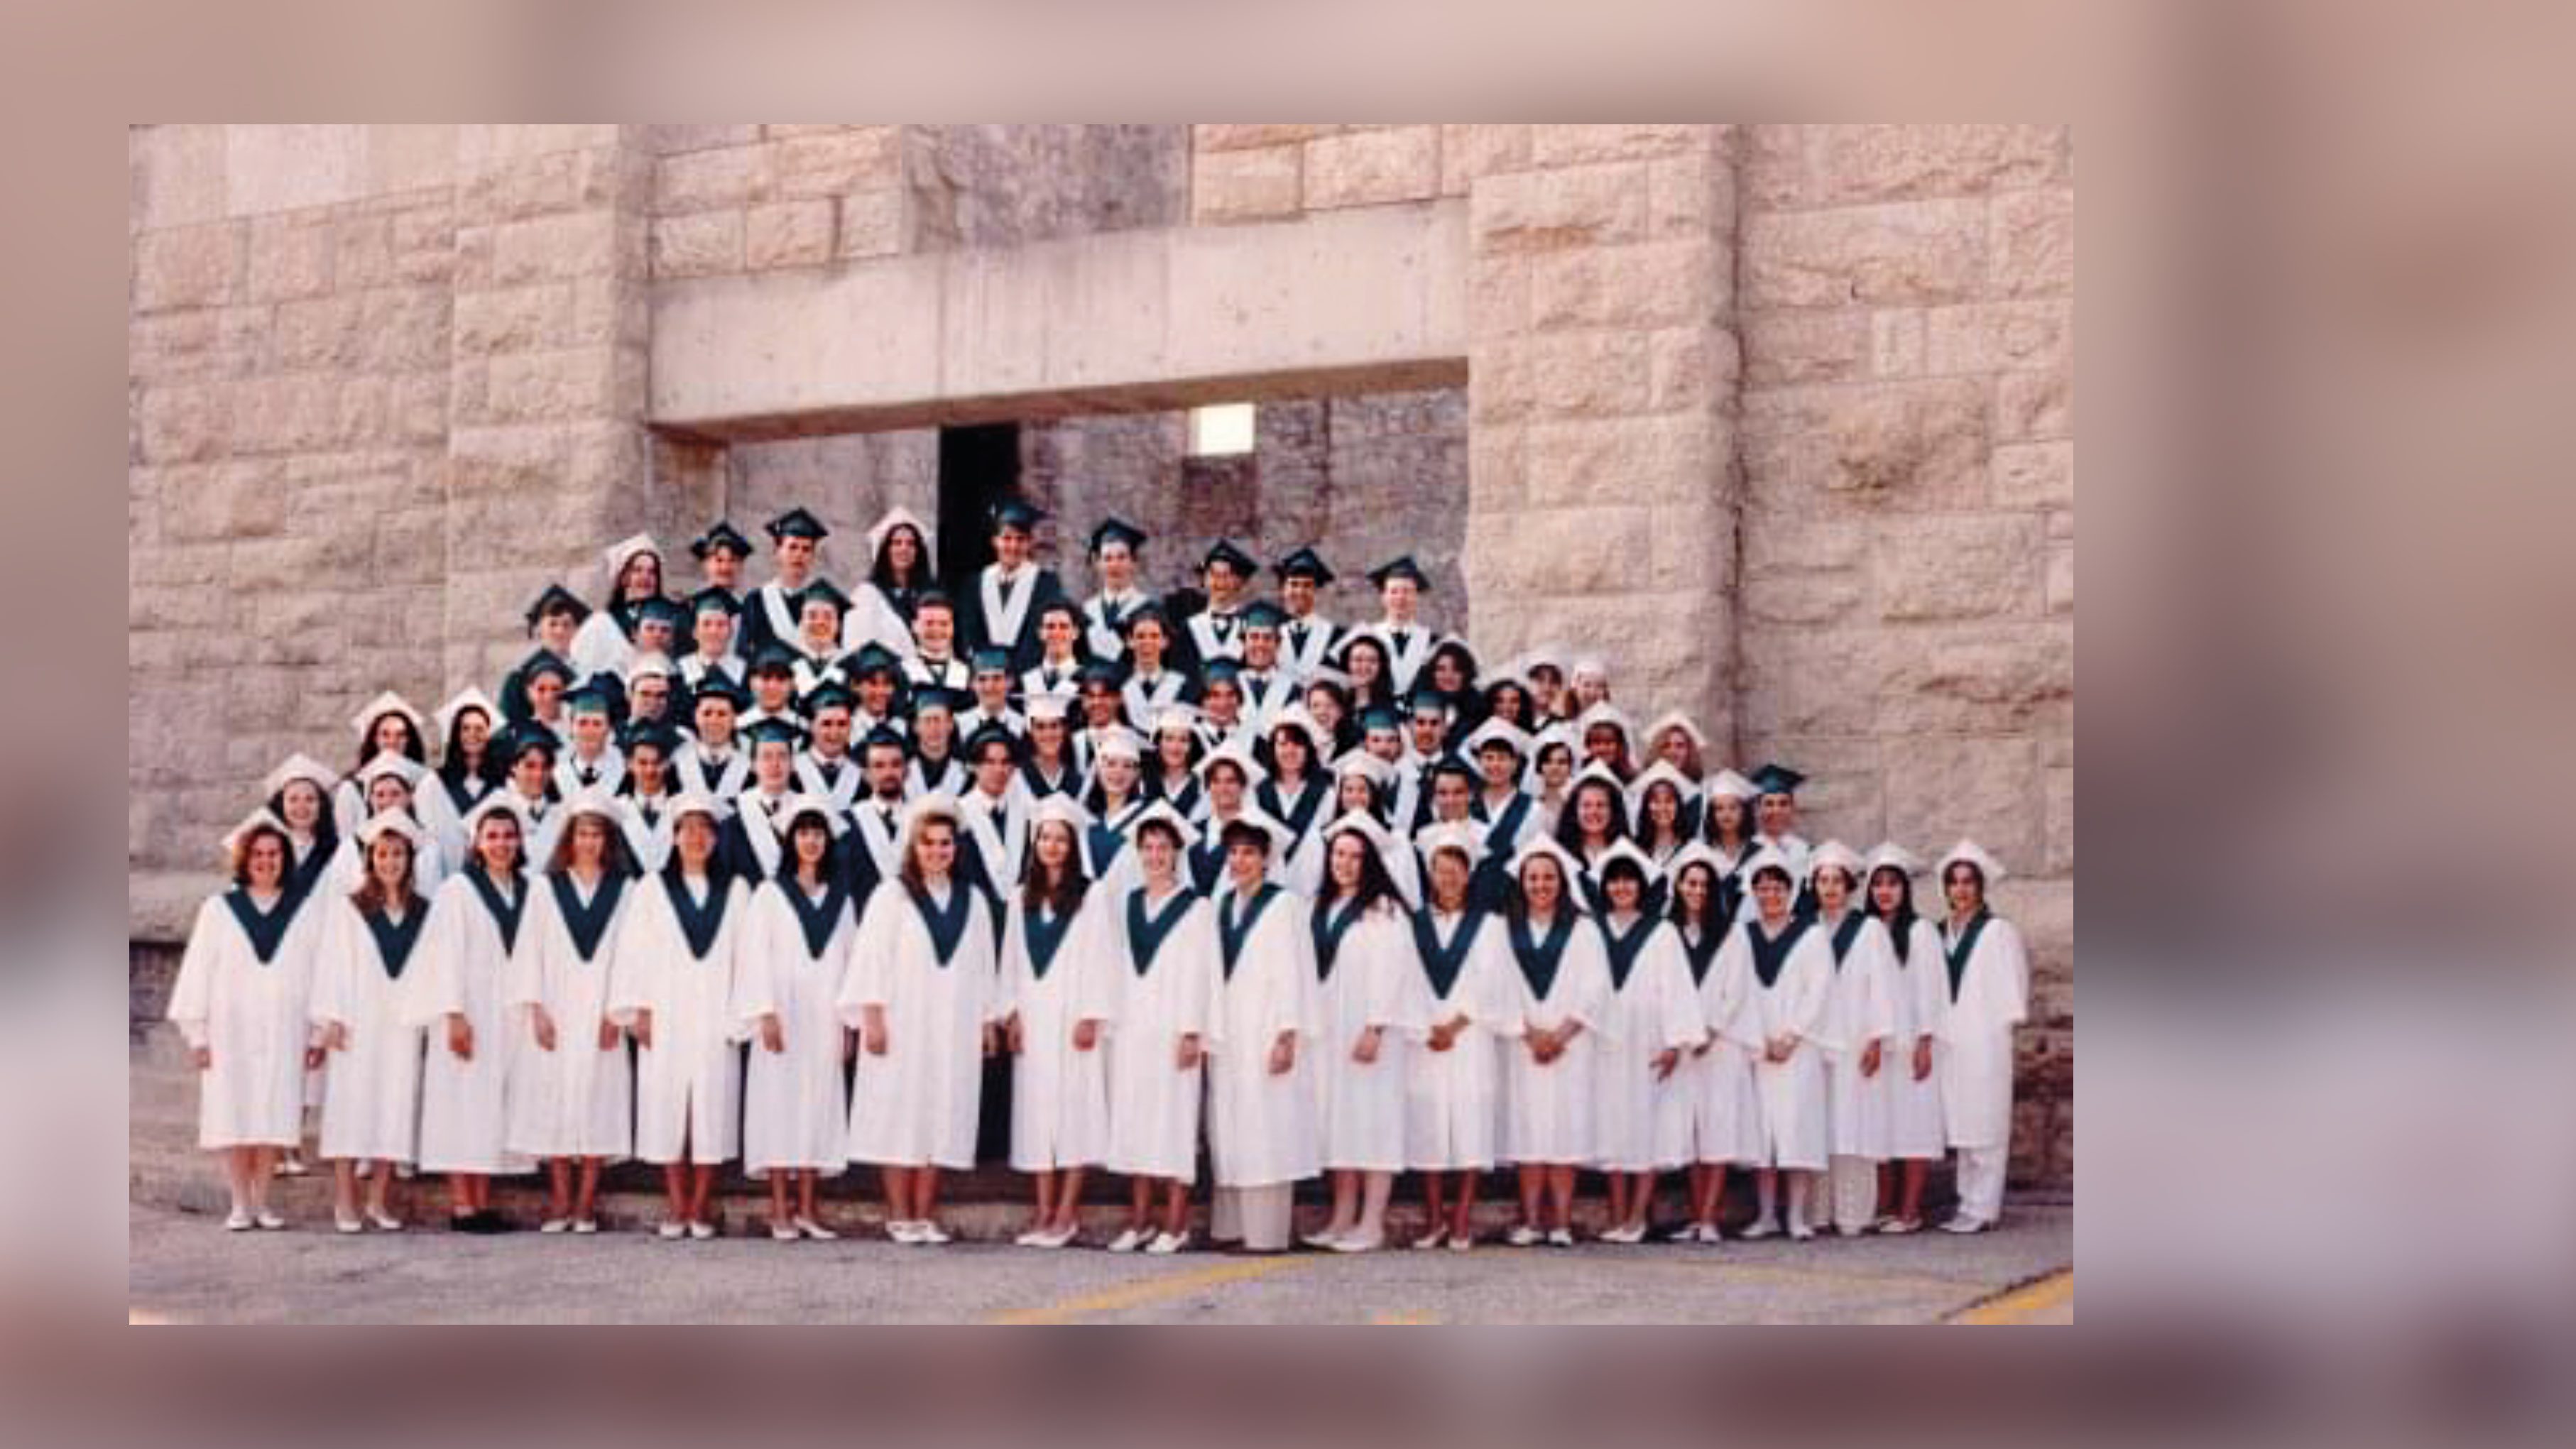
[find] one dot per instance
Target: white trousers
(1981, 1183)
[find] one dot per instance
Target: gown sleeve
(864, 984)
(1810, 1014)
(344, 938)
(192, 994)
(771, 934)
(634, 966)
(434, 986)
(1095, 940)
(1679, 1021)
(1400, 1001)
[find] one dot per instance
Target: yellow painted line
(1155, 1290)
(137, 1317)
(1759, 1272)
(1402, 1319)
(2024, 1303)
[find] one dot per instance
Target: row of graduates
(1347, 1034)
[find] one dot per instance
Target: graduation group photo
(820, 774)
(760, 878)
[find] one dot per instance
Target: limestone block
(1916, 445)
(546, 248)
(186, 424)
(1363, 168)
(1958, 567)
(2035, 475)
(1247, 137)
(1992, 677)
(2034, 242)
(189, 266)
(1993, 336)
(728, 176)
(289, 258)
(528, 186)
(873, 223)
(1806, 679)
(1670, 457)
(2061, 581)
(2034, 404)
(1659, 283)
(1552, 210)
(1469, 152)
(1926, 251)
(1575, 145)
(1243, 185)
(1872, 163)
(700, 244)
(1987, 789)
(1498, 292)
(1589, 374)
(1795, 347)
(836, 163)
(1897, 342)
(2060, 856)
(788, 234)
(514, 319)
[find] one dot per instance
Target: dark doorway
(978, 468)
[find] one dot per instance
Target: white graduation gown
(1059, 1096)
(254, 1019)
(1376, 982)
(600, 647)
(1306, 645)
(1974, 1035)
(1916, 1128)
(371, 1108)
(461, 967)
(1153, 1101)
(1547, 1110)
(1453, 1099)
(1262, 1128)
(1725, 1122)
(1656, 1009)
(873, 619)
(1862, 1013)
(1105, 639)
(1796, 1131)
(688, 1083)
(795, 1113)
(577, 1100)
(916, 1105)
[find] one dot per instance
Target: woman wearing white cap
(458, 993)
(900, 571)
(606, 640)
(671, 985)
(1793, 972)
(573, 1105)
(1564, 990)
(1374, 1009)
(1056, 1001)
(240, 1002)
(1453, 1084)
(387, 726)
(1163, 954)
(920, 991)
(1916, 1133)
(299, 796)
(1987, 975)
(1262, 1098)
(370, 1114)
(469, 768)
(1858, 1064)
(1650, 1017)
(1726, 823)
(786, 1003)
(387, 784)
(1721, 1117)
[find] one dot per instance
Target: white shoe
(1686, 1233)
(1899, 1227)
(1033, 1238)
(269, 1222)
(1432, 1239)
(1129, 1240)
(1762, 1228)
(1524, 1236)
(700, 1232)
(1354, 1243)
(1063, 1237)
(929, 1233)
(1325, 1239)
(1624, 1234)
(1464, 1243)
(1560, 1238)
(350, 1226)
(815, 1230)
(555, 1225)
(782, 1232)
(899, 1230)
(671, 1230)
(238, 1221)
(1964, 1226)
(1707, 1233)
(292, 1165)
(1799, 1232)
(384, 1222)
(584, 1227)
(1166, 1244)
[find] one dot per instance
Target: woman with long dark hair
(1057, 1000)
(1373, 1010)
(1914, 1125)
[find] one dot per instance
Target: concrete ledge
(1365, 299)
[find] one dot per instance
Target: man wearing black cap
(1217, 632)
(825, 767)
(1115, 545)
(1775, 824)
(1266, 686)
(720, 552)
(1306, 638)
(1002, 610)
(770, 613)
(1408, 641)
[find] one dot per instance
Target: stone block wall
(1907, 606)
